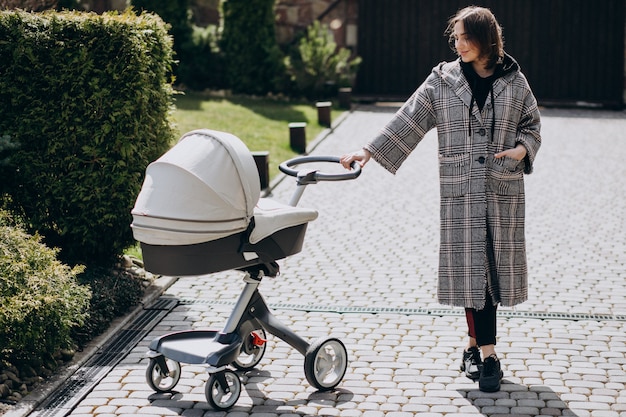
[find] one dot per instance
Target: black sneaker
(490, 375)
(471, 363)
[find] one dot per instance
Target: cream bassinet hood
(204, 188)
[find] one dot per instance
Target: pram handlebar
(313, 176)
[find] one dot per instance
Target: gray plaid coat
(482, 244)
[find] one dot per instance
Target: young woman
(488, 128)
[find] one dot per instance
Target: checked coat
(482, 248)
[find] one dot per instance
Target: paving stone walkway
(367, 274)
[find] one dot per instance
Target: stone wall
(293, 16)
(206, 12)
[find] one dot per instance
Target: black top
(480, 86)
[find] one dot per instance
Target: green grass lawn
(262, 124)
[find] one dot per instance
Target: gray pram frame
(242, 341)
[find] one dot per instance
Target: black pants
(481, 324)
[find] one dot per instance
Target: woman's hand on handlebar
(361, 156)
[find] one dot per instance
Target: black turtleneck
(480, 90)
(480, 86)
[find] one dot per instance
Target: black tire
(325, 363)
(219, 398)
(159, 381)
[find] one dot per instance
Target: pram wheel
(252, 350)
(163, 374)
(325, 363)
(223, 389)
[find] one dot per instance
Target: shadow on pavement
(517, 399)
(261, 401)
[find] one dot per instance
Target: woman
(488, 128)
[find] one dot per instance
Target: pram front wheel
(325, 363)
(162, 374)
(252, 350)
(223, 390)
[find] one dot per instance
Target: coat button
(481, 160)
(482, 132)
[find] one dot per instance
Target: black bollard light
(262, 160)
(323, 113)
(345, 98)
(297, 136)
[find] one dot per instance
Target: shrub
(252, 59)
(113, 293)
(40, 297)
(191, 45)
(201, 65)
(317, 61)
(176, 13)
(86, 100)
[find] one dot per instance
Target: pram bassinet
(199, 210)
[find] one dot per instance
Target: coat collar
(451, 74)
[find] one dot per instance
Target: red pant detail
(481, 324)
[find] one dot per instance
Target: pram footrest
(198, 347)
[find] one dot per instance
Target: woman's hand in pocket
(518, 153)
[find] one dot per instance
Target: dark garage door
(571, 51)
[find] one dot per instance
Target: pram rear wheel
(163, 378)
(252, 350)
(223, 390)
(325, 363)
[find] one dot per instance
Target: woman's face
(466, 49)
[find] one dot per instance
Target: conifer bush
(316, 61)
(198, 61)
(41, 300)
(253, 61)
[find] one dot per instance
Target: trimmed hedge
(40, 297)
(85, 101)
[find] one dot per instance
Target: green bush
(113, 293)
(40, 297)
(201, 66)
(176, 13)
(317, 62)
(253, 61)
(86, 101)
(198, 65)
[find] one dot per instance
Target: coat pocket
(506, 176)
(454, 174)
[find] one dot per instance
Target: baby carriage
(199, 212)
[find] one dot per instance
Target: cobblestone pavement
(367, 274)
